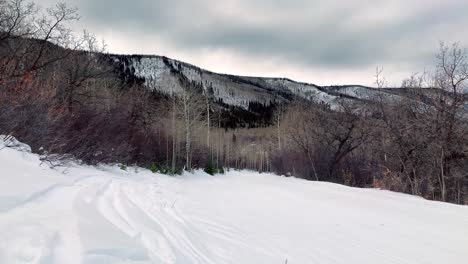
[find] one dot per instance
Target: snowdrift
(82, 214)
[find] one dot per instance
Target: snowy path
(107, 215)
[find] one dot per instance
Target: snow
(84, 214)
(156, 71)
(232, 90)
(306, 91)
(366, 93)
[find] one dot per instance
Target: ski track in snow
(106, 215)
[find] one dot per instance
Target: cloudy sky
(319, 41)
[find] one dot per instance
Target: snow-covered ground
(106, 215)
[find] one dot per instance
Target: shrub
(153, 167)
(176, 171)
(210, 167)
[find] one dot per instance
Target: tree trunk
(174, 133)
(442, 177)
(208, 125)
(278, 130)
(187, 135)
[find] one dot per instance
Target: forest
(60, 94)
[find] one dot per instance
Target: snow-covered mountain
(161, 74)
(88, 215)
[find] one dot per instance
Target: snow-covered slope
(164, 75)
(161, 74)
(84, 214)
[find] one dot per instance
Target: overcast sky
(319, 41)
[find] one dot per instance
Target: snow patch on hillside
(367, 93)
(307, 91)
(159, 74)
(83, 214)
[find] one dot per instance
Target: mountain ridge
(142, 55)
(225, 74)
(160, 73)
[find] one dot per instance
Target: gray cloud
(329, 35)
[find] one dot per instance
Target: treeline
(415, 144)
(60, 94)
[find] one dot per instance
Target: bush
(123, 167)
(163, 169)
(153, 167)
(176, 171)
(210, 167)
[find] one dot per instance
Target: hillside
(83, 214)
(161, 74)
(153, 111)
(241, 101)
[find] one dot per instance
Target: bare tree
(193, 108)
(452, 78)
(278, 116)
(80, 70)
(28, 41)
(424, 134)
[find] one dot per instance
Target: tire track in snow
(122, 206)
